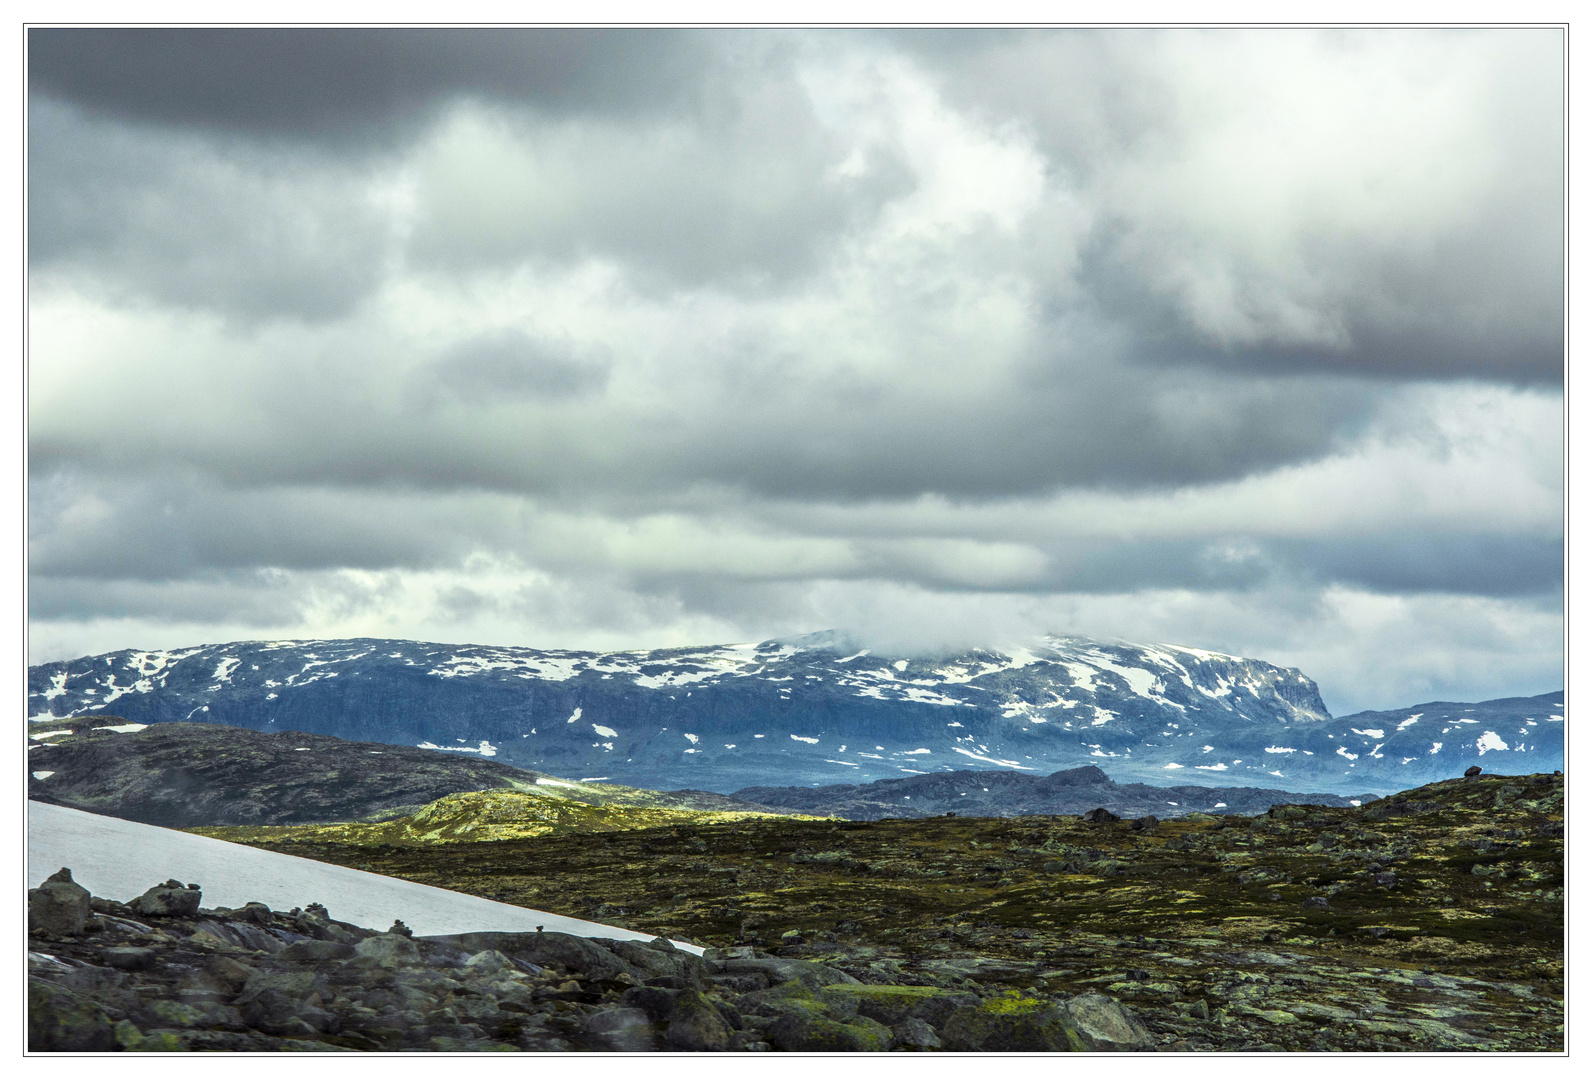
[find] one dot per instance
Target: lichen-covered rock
(60, 1020)
(796, 997)
(388, 950)
(914, 1034)
(59, 907)
(694, 1024)
(780, 969)
(1105, 1024)
(893, 1005)
(173, 900)
(1010, 1023)
(798, 1033)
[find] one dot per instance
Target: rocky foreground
(163, 974)
(1432, 920)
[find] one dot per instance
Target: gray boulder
(388, 950)
(171, 900)
(1012, 1024)
(59, 907)
(656, 1001)
(914, 1034)
(658, 959)
(893, 1005)
(694, 1024)
(797, 1032)
(779, 969)
(1107, 1025)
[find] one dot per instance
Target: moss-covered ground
(1432, 920)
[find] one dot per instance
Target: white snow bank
(120, 859)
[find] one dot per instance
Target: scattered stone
(1412, 967)
(1099, 816)
(1473, 771)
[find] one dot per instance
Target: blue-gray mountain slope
(810, 710)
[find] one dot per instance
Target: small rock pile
(161, 973)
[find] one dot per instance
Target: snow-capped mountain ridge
(817, 708)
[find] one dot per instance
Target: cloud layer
(643, 338)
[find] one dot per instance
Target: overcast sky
(1244, 340)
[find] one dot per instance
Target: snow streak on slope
(118, 860)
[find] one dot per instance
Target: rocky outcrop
(163, 974)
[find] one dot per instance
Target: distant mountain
(814, 709)
(1007, 794)
(182, 775)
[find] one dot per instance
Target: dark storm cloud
(1475, 564)
(337, 84)
(720, 174)
(249, 597)
(886, 441)
(1081, 430)
(178, 526)
(171, 531)
(166, 218)
(1472, 564)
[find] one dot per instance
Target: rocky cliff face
(807, 710)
